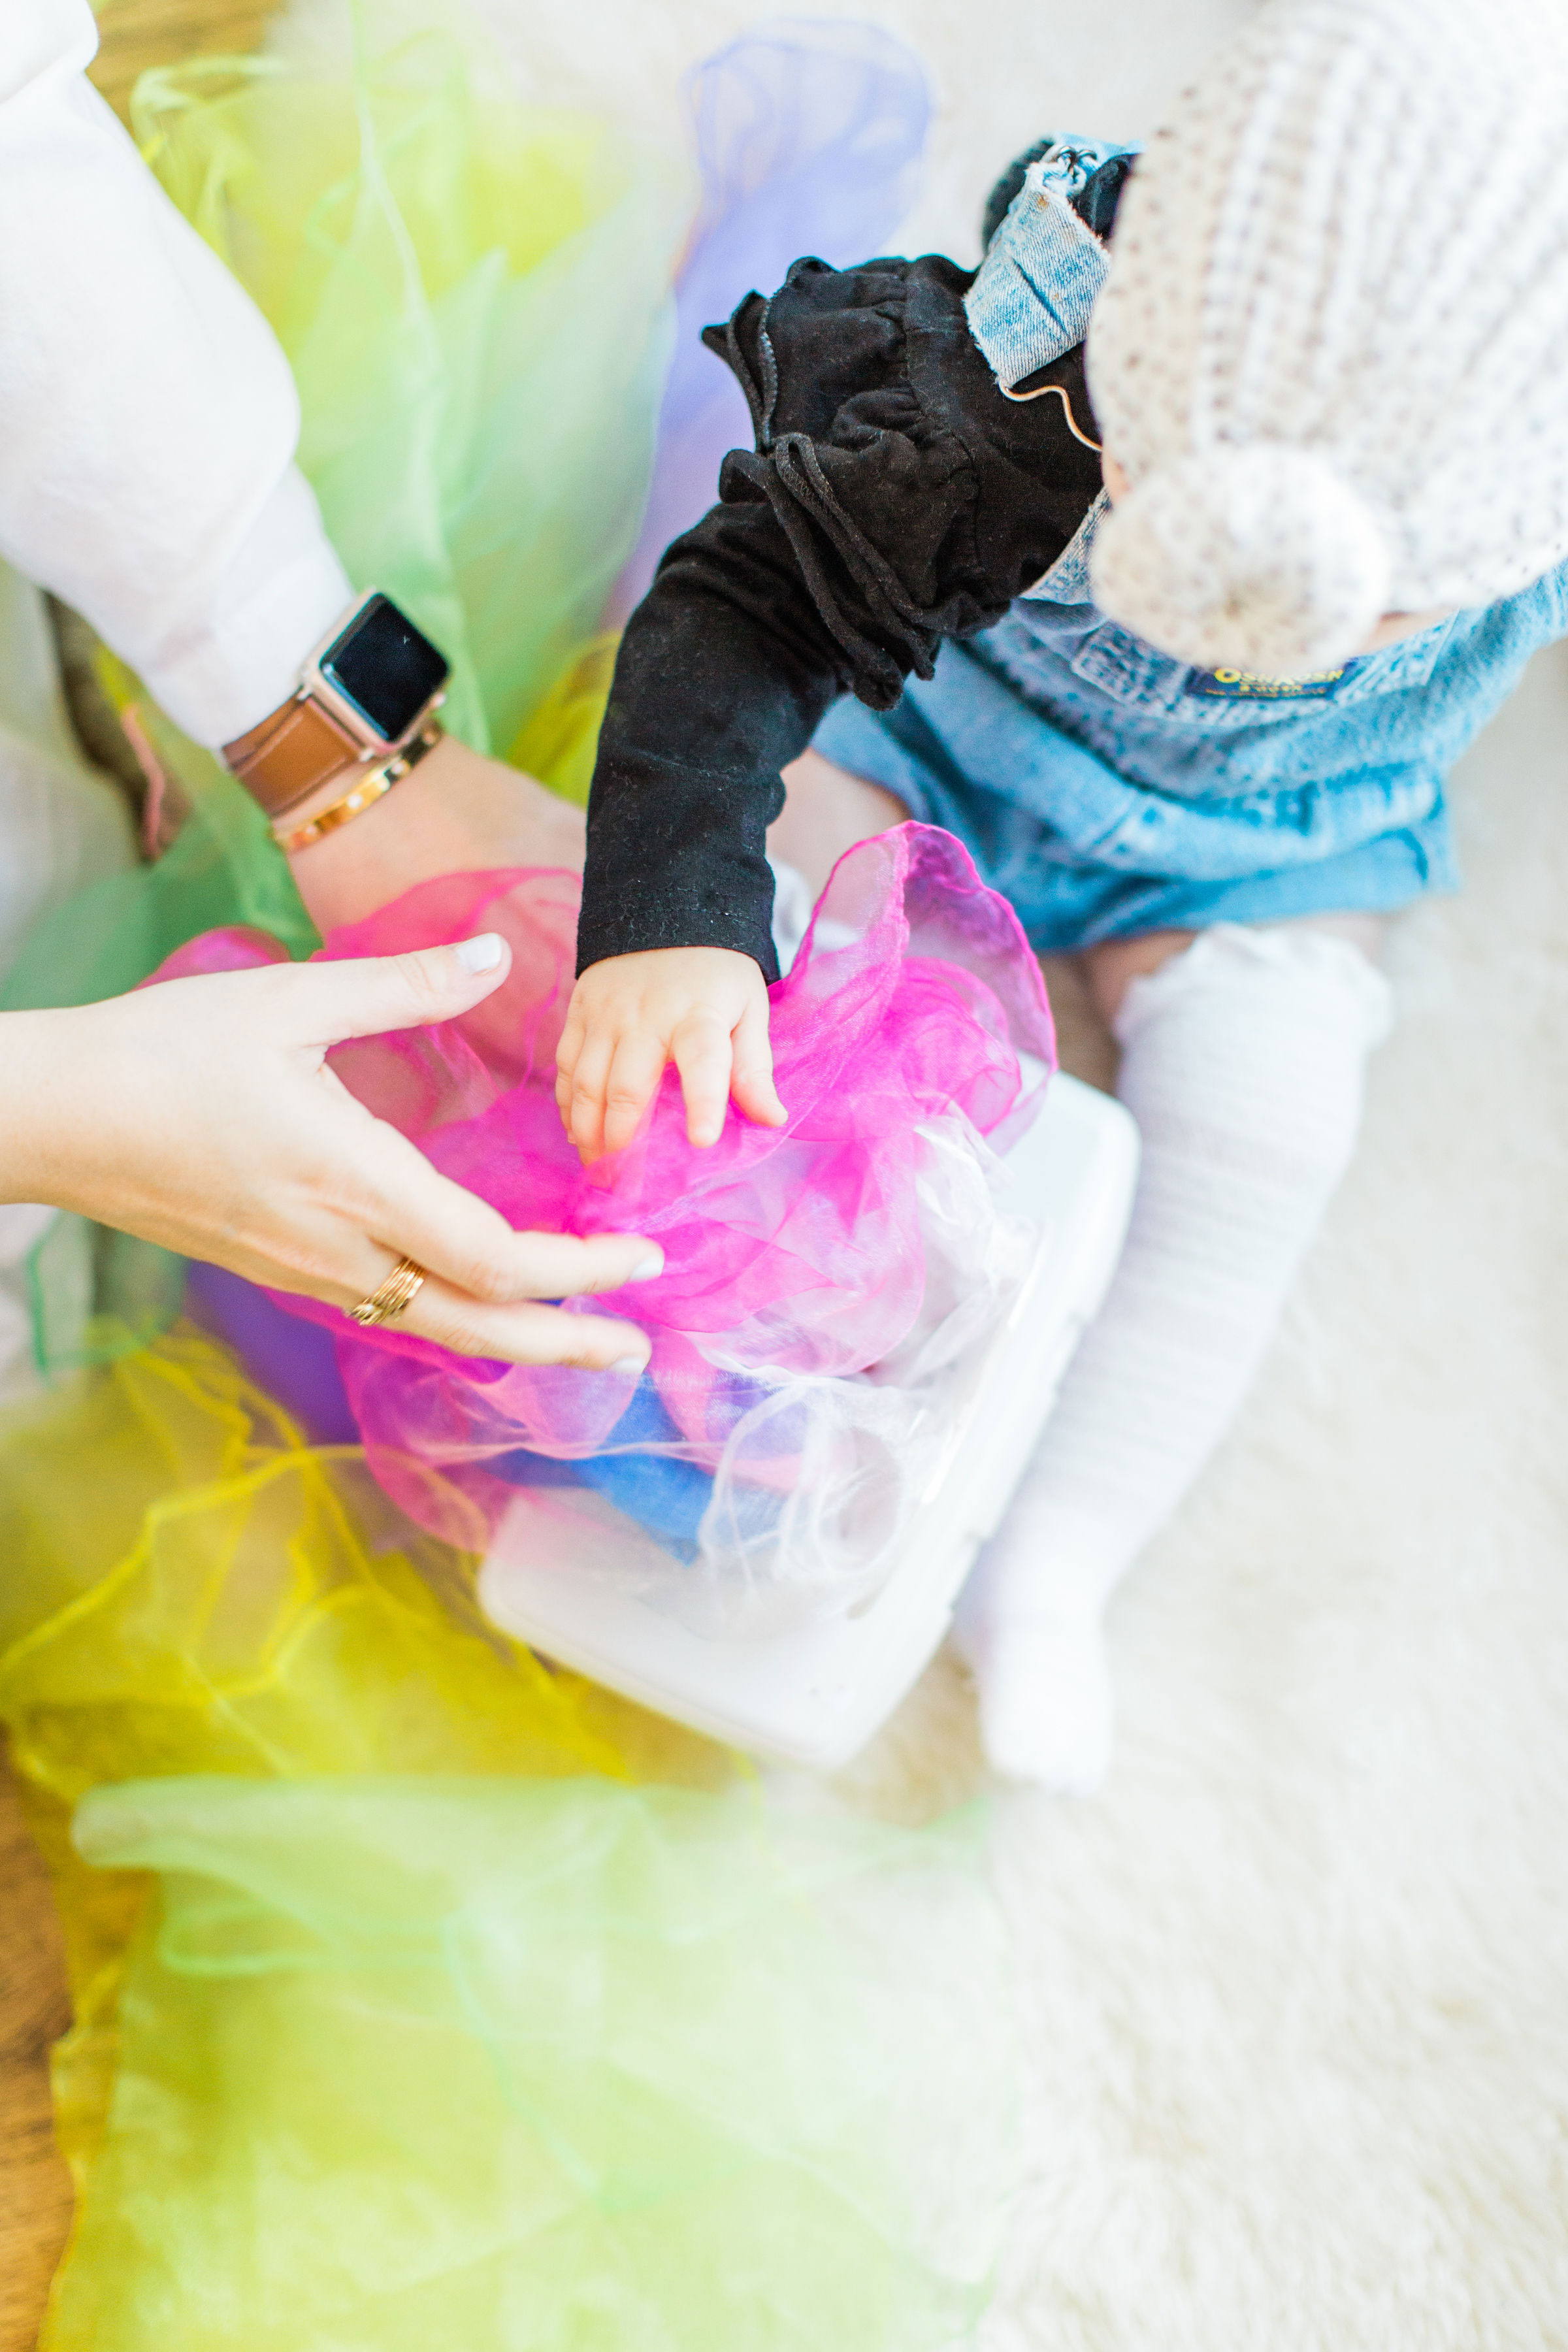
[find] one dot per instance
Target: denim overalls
(1107, 789)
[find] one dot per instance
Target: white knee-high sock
(1242, 1062)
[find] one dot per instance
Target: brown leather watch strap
(294, 749)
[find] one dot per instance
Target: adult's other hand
(201, 1113)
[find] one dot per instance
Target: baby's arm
(895, 497)
(724, 674)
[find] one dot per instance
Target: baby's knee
(1113, 965)
(1251, 1045)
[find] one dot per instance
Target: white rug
(1297, 2072)
(1298, 1982)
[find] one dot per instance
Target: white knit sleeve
(148, 417)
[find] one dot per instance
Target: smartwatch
(363, 693)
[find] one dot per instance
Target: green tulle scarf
(425, 1996)
(415, 2002)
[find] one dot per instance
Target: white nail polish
(637, 1364)
(480, 954)
(649, 1268)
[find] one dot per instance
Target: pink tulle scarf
(820, 1271)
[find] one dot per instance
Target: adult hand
(704, 1008)
(200, 1113)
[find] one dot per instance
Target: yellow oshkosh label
(1236, 683)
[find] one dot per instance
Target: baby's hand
(705, 1009)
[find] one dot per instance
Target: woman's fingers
(416, 1211)
(365, 997)
(517, 1329)
(569, 1265)
(482, 1278)
(200, 1113)
(523, 1333)
(753, 1082)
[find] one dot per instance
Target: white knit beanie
(1332, 352)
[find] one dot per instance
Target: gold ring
(391, 1299)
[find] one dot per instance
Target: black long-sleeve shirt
(896, 496)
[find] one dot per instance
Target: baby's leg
(1242, 1062)
(827, 810)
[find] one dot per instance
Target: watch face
(384, 666)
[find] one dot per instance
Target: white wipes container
(814, 1692)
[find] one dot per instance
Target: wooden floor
(136, 34)
(35, 2188)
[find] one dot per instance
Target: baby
(1208, 521)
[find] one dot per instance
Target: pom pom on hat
(1261, 557)
(1331, 356)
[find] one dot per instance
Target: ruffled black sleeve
(895, 496)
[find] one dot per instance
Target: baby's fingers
(752, 1084)
(567, 1053)
(703, 1053)
(570, 1047)
(634, 1077)
(584, 1111)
